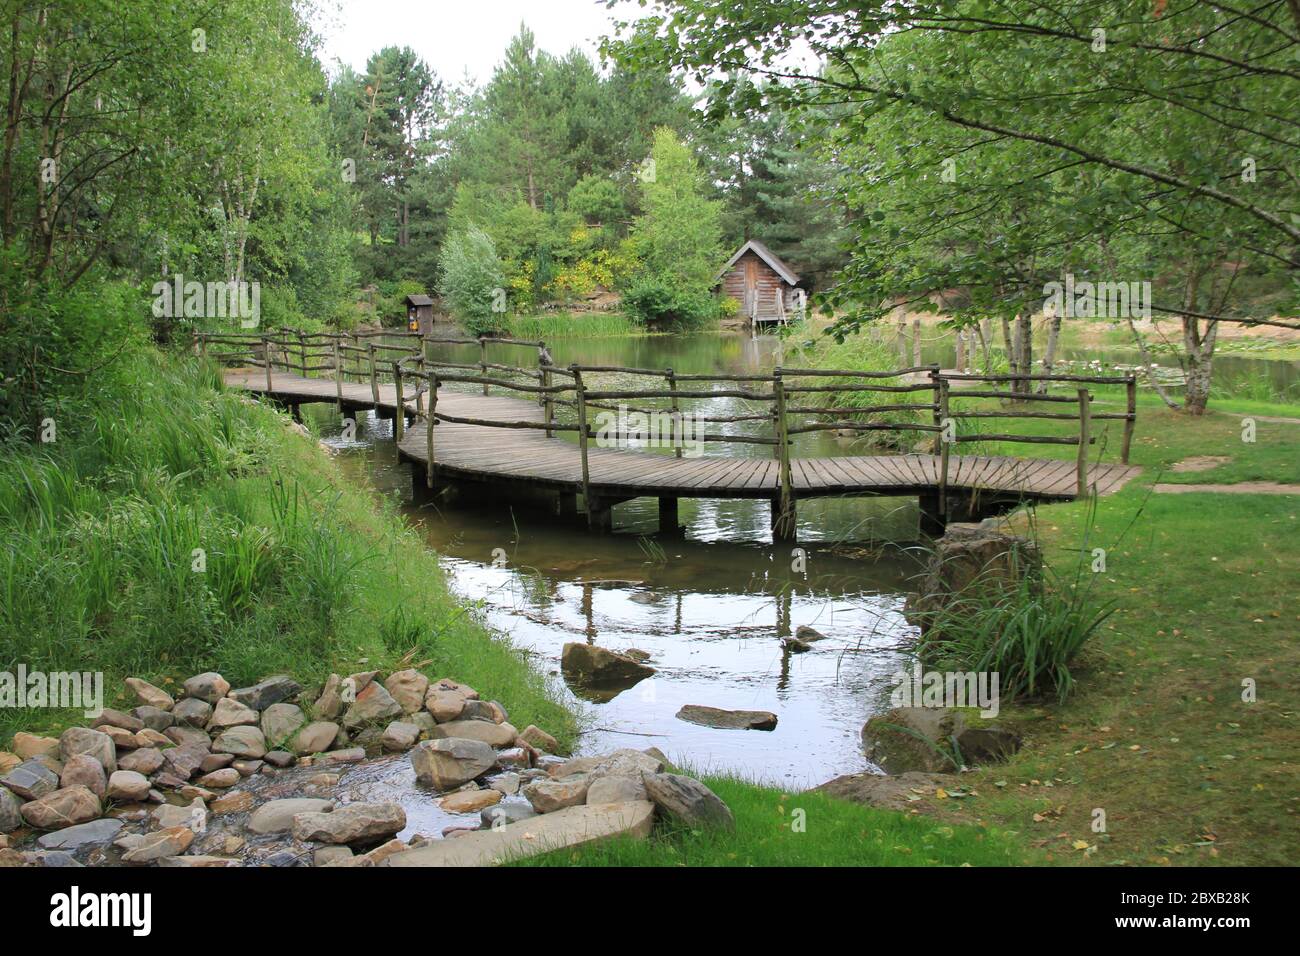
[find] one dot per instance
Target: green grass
(299, 571)
(561, 325)
(774, 828)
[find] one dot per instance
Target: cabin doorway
(751, 287)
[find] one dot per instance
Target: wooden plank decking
(483, 453)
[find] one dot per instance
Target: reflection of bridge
(510, 442)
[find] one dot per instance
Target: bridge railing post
(302, 353)
(1130, 418)
(374, 375)
(1085, 423)
(783, 527)
(676, 414)
(266, 360)
(581, 399)
(945, 444)
(419, 388)
(399, 415)
(429, 424)
(482, 359)
(937, 385)
(547, 399)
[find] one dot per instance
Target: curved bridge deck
(506, 455)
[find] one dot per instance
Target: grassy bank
(562, 325)
(802, 829)
(173, 528)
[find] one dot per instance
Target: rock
(83, 770)
(353, 823)
(198, 860)
(232, 803)
(8, 761)
(448, 763)
(122, 739)
(616, 788)
(62, 808)
(115, 718)
(534, 736)
(161, 843)
(600, 667)
(446, 683)
(220, 779)
(795, 646)
(191, 792)
(31, 780)
(216, 762)
(885, 791)
(506, 783)
(972, 557)
(149, 695)
(547, 796)
(381, 853)
(147, 760)
(277, 815)
(192, 711)
(247, 768)
(244, 741)
(808, 634)
(621, 762)
(400, 736)
(331, 855)
(351, 755)
(265, 693)
(570, 827)
(128, 785)
(154, 718)
(495, 735)
(637, 654)
(469, 801)
(81, 836)
(184, 762)
(281, 721)
(330, 702)
(373, 705)
(688, 801)
(316, 737)
(10, 817)
(28, 746)
(152, 738)
(280, 758)
(504, 814)
(183, 736)
(408, 688)
(208, 687)
(444, 705)
(169, 815)
(727, 719)
(80, 740)
(518, 758)
(52, 764)
(921, 739)
(231, 713)
(483, 710)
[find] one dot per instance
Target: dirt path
(1240, 488)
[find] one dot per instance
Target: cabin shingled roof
(767, 255)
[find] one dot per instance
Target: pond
(710, 608)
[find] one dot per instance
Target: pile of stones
(144, 785)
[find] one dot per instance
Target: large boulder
(408, 688)
(448, 763)
(10, 816)
(970, 558)
(208, 687)
(886, 791)
(184, 761)
(82, 740)
(146, 760)
(265, 693)
(280, 722)
(727, 719)
(316, 737)
(688, 801)
(149, 695)
(547, 796)
(62, 808)
(373, 705)
(83, 770)
(354, 823)
(934, 740)
(128, 785)
(31, 779)
(600, 668)
(28, 746)
(231, 713)
(277, 815)
(161, 843)
(245, 742)
(494, 735)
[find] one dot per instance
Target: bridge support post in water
(784, 520)
(600, 514)
(566, 505)
(296, 410)
(668, 516)
(933, 521)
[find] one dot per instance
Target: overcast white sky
(455, 36)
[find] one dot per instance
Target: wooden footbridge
(452, 429)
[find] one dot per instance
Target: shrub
(472, 280)
(655, 301)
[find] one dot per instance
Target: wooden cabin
(419, 314)
(767, 289)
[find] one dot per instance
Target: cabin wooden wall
(769, 285)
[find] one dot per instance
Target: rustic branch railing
(922, 390)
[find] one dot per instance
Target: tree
(472, 282)
(1178, 122)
